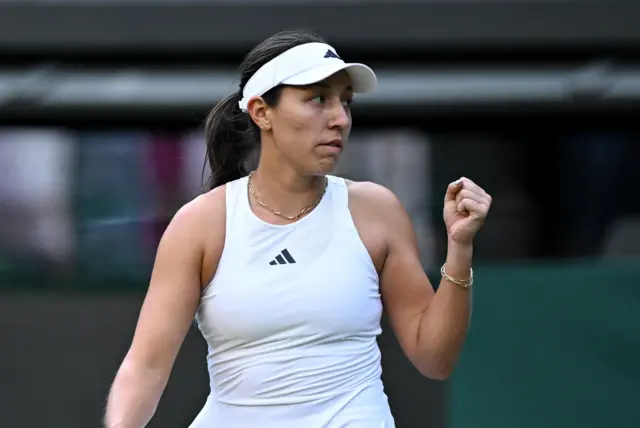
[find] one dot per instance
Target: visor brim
(363, 78)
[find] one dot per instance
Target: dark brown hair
(231, 135)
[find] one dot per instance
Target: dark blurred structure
(101, 105)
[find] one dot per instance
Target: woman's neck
(286, 190)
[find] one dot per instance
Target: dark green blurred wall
(552, 347)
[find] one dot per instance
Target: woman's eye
(321, 99)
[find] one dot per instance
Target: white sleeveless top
(291, 318)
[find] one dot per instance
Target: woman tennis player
(287, 268)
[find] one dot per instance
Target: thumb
(452, 190)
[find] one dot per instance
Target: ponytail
(230, 139)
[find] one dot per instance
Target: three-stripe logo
(331, 54)
(283, 258)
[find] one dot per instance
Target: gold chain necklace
(302, 212)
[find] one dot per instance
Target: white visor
(305, 65)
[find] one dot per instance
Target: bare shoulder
(374, 198)
(204, 212)
(379, 218)
(198, 228)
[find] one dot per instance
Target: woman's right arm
(166, 315)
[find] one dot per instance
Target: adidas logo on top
(331, 54)
(283, 258)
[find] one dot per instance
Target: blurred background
(101, 110)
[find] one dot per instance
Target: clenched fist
(466, 205)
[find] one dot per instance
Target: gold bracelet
(464, 284)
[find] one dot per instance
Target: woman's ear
(257, 109)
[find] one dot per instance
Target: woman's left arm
(431, 327)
